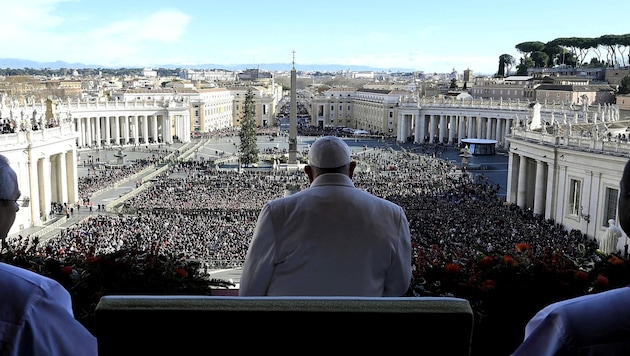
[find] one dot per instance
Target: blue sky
(432, 36)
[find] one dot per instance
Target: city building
(567, 149)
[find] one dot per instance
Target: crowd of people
(198, 212)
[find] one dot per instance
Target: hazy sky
(432, 36)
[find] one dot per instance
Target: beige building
(211, 110)
(333, 107)
(576, 93)
(615, 76)
(623, 102)
(514, 88)
(372, 110)
(266, 99)
(375, 110)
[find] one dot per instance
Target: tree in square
(248, 148)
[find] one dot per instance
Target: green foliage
(540, 58)
(525, 64)
(453, 84)
(624, 86)
(248, 148)
(528, 47)
(574, 50)
(506, 61)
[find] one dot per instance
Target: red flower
(181, 272)
(66, 269)
(602, 280)
(581, 276)
(511, 262)
(488, 285)
(615, 260)
(452, 268)
(486, 261)
(522, 247)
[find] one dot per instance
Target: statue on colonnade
(608, 242)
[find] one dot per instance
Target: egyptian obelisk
(293, 117)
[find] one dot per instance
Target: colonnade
(96, 131)
(451, 128)
(530, 183)
(44, 179)
(121, 130)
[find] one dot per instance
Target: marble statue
(608, 242)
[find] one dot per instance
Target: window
(574, 197)
(332, 108)
(610, 205)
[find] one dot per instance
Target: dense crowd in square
(196, 211)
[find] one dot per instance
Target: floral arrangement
(123, 272)
(506, 288)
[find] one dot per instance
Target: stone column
(551, 196)
(125, 127)
(145, 129)
(471, 127)
(34, 190)
(508, 129)
(117, 130)
(154, 122)
(512, 182)
(522, 183)
(136, 137)
(98, 132)
(72, 181)
(400, 128)
(80, 132)
(432, 128)
(452, 127)
(108, 131)
(421, 127)
(489, 122)
(44, 186)
(539, 194)
(479, 133)
(60, 162)
(167, 131)
(89, 125)
(417, 127)
(497, 133)
(462, 127)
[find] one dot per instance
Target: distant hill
(16, 63)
